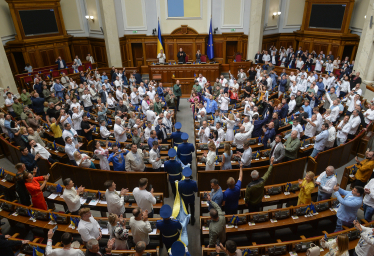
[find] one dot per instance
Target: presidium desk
(186, 73)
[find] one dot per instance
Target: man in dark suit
(38, 104)
(331, 56)
(138, 77)
(61, 64)
(269, 135)
(299, 52)
(275, 121)
(355, 79)
(181, 56)
(345, 71)
(292, 62)
(284, 110)
(258, 57)
(257, 125)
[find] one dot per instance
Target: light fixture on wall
(90, 18)
(215, 30)
(276, 14)
(154, 32)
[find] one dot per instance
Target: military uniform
(185, 150)
(174, 169)
(176, 136)
(186, 190)
(170, 230)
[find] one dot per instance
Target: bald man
(326, 182)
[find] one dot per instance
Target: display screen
(38, 22)
(327, 16)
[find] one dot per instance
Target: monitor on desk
(188, 62)
(180, 62)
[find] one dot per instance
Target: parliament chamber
(199, 127)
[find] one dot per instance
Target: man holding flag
(170, 228)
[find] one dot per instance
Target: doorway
(231, 50)
(137, 54)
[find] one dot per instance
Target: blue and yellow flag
(302, 143)
(210, 51)
(159, 39)
(288, 187)
(257, 154)
(52, 217)
(180, 213)
(37, 251)
(307, 210)
(1, 171)
(54, 145)
(312, 209)
(234, 220)
(353, 170)
(72, 223)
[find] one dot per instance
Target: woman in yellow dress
(306, 188)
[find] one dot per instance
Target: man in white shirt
(145, 105)
(87, 103)
(70, 148)
(296, 127)
(147, 130)
(77, 119)
(302, 84)
(151, 115)
(248, 126)
(332, 135)
(326, 182)
(8, 103)
(246, 156)
(311, 126)
(144, 199)
(334, 107)
(291, 104)
(135, 97)
(88, 227)
(269, 81)
(119, 131)
(161, 57)
(36, 148)
(343, 129)
(265, 56)
(223, 81)
(142, 90)
(310, 79)
(204, 133)
(69, 131)
(355, 122)
(167, 122)
(140, 226)
(67, 250)
(151, 93)
(369, 114)
(115, 200)
(221, 132)
(202, 80)
(104, 132)
(90, 58)
(369, 200)
(319, 63)
(71, 196)
(240, 138)
(365, 245)
(224, 100)
(292, 77)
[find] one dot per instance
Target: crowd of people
(324, 106)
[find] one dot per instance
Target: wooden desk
(209, 71)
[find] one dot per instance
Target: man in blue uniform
(186, 189)
(185, 150)
(170, 228)
(178, 249)
(176, 136)
(173, 168)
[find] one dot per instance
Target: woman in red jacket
(35, 189)
(233, 96)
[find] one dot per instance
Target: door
(137, 54)
(231, 50)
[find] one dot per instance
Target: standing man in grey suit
(277, 149)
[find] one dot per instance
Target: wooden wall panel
(32, 58)
(170, 52)
(151, 50)
(334, 49)
(187, 48)
(218, 49)
(307, 46)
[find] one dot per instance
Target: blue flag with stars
(210, 51)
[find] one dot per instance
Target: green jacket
(169, 101)
(25, 97)
(255, 190)
(197, 88)
(46, 93)
(177, 90)
(18, 108)
(158, 107)
(217, 229)
(216, 92)
(299, 101)
(55, 100)
(292, 146)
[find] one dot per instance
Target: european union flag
(54, 145)
(109, 121)
(210, 51)
(37, 251)
(288, 187)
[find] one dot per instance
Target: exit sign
(233, 30)
(135, 31)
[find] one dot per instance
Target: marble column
(256, 27)
(6, 76)
(365, 53)
(109, 21)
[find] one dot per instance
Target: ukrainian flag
(159, 39)
(180, 213)
(288, 187)
(37, 251)
(307, 210)
(234, 220)
(184, 8)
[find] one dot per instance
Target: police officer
(186, 189)
(170, 228)
(185, 150)
(178, 249)
(176, 136)
(173, 168)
